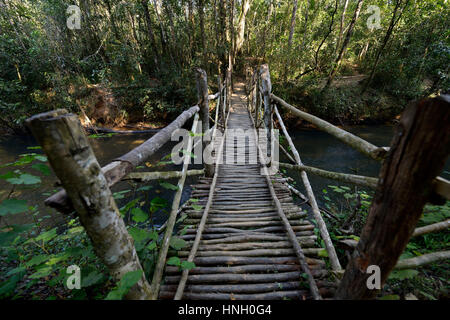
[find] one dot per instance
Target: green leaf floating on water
(12, 206)
(168, 186)
(24, 178)
(43, 168)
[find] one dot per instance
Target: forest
(131, 65)
(132, 61)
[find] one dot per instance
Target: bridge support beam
(418, 153)
(62, 138)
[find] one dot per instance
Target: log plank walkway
(245, 252)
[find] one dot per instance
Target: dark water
(316, 148)
(106, 149)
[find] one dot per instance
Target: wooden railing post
(229, 89)
(62, 138)
(267, 88)
(418, 153)
(219, 100)
(202, 90)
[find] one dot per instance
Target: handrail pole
(355, 142)
(159, 269)
(266, 89)
(201, 226)
(123, 165)
(291, 234)
(312, 199)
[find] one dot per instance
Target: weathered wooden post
(202, 90)
(418, 153)
(62, 138)
(219, 100)
(229, 89)
(267, 88)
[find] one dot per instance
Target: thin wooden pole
(335, 264)
(71, 157)
(266, 89)
(123, 165)
(355, 142)
(362, 181)
(287, 226)
(159, 269)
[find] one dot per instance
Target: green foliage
(128, 280)
(35, 259)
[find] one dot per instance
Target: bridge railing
(423, 135)
(87, 185)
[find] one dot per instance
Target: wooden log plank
(242, 277)
(236, 288)
(234, 260)
(159, 268)
(312, 200)
(278, 295)
(253, 253)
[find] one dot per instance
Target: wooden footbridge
(245, 234)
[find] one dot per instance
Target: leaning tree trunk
(62, 138)
(341, 27)
(418, 153)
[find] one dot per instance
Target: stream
(316, 148)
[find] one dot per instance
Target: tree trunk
(241, 26)
(341, 27)
(345, 44)
(291, 34)
(62, 138)
(395, 19)
(418, 153)
(151, 35)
